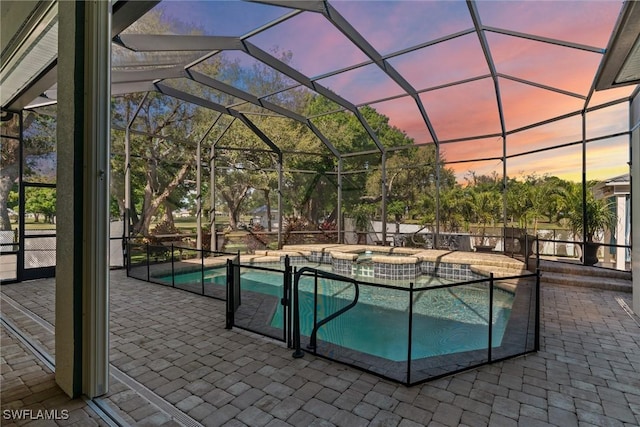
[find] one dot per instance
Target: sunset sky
(463, 110)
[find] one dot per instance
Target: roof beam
(541, 86)
(256, 130)
(126, 12)
(131, 87)
(356, 38)
(475, 17)
(290, 72)
(175, 93)
(121, 76)
(223, 87)
(543, 39)
(177, 43)
(178, 94)
(308, 5)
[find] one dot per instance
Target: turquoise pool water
(445, 321)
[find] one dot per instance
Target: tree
(165, 148)
(238, 171)
(452, 208)
(39, 133)
(163, 163)
(486, 205)
(542, 198)
(246, 163)
(362, 214)
(600, 214)
(41, 201)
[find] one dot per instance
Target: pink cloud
(605, 159)
(608, 121)
(551, 65)
(470, 109)
(443, 63)
(317, 46)
(472, 149)
(394, 25)
(602, 97)
(403, 113)
(463, 110)
(363, 84)
(524, 104)
(584, 22)
(552, 134)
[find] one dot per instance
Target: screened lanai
(521, 92)
(322, 112)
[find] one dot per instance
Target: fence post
(537, 325)
(230, 292)
(125, 254)
(128, 257)
(298, 353)
(410, 343)
(490, 317)
(236, 282)
(286, 301)
(537, 253)
(148, 275)
(173, 275)
(312, 338)
(202, 270)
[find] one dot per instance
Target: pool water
(445, 321)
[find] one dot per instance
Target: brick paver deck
(174, 347)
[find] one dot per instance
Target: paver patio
(175, 364)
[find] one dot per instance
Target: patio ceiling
(441, 71)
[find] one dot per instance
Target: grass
(30, 224)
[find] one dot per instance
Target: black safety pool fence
(198, 271)
(407, 332)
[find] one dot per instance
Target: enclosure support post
(199, 189)
(339, 224)
(199, 196)
(634, 169)
(127, 169)
(384, 198)
(504, 193)
(212, 197)
(212, 190)
(436, 236)
(584, 186)
(127, 185)
(280, 200)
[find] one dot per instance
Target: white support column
(621, 209)
(82, 256)
(635, 216)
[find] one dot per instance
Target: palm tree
(486, 209)
(362, 214)
(600, 216)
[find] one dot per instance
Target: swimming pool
(445, 321)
